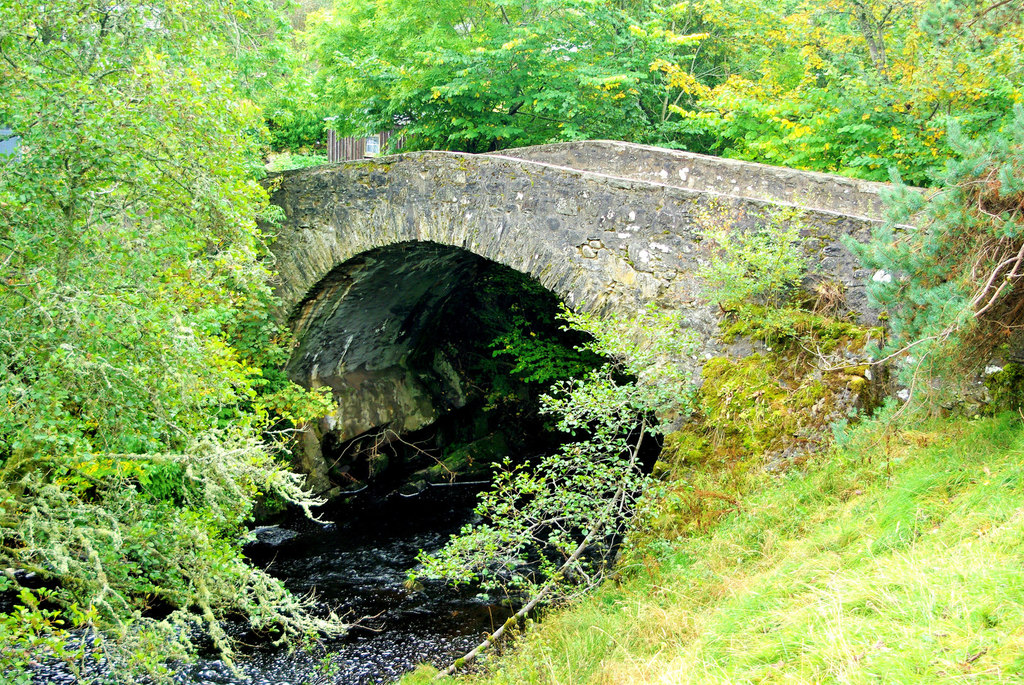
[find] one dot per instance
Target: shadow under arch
(404, 336)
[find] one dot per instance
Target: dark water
(357, 564)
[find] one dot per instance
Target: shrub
(762, 265)
(951, 282)
(288, 160)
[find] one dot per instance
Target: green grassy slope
(897, 558)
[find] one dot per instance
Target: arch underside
(368, 333)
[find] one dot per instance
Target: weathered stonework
(365, 255)
(359, 334)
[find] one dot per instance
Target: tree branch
(527, 608)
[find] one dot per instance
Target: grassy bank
(899, 557)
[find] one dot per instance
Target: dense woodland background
(143, 411)
(848, 86)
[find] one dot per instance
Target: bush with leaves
(760, 265)
(136, 350)
(949, 265)
(148, 546)
(492, 75)
(550, 528)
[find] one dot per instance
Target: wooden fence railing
(343, 149)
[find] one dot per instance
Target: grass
(284, 161)
(896, 558)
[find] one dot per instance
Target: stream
(357, 564)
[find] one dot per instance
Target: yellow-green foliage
(789, 326)
(751, 406)
(896, 560)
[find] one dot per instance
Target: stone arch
(596, 239)
(364, 330)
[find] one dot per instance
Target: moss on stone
(766, 410)
(682, 446)
(747, 406)
(470, 459)
(1006, 388)
(772, 405)
(857, 384)
(790, 326)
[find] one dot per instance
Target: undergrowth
(797, 327)
(286, 161)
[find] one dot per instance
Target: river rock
(273, 536)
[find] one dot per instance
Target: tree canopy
(134, 299)
(486, 75)
(849, 86)
(859, 86)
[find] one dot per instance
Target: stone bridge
(370, 251)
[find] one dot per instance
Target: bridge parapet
(704, 173)
(593, 238)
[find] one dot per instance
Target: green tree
(847, 86)
(490, 75)
(855, 86)
(134, 306)
(948, 266)
(762, 266)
